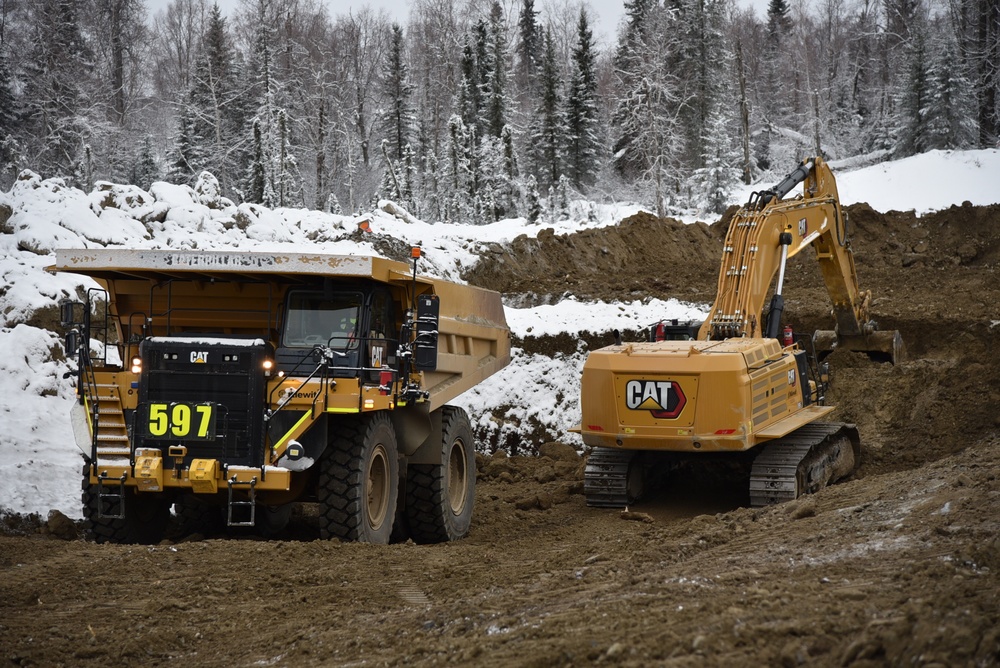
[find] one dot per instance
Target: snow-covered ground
(39, 462)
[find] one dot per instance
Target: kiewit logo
(664, 399)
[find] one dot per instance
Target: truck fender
(418, 433)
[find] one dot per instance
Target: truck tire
(145, 520)
(439, 497)
(358, 481)
(198, 516)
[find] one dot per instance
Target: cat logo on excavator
(663, 398)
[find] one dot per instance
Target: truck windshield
(315, 318)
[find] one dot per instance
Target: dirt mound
(896, 566)
(641, 256)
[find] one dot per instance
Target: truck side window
(317, 319)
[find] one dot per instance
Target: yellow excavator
(728, 385)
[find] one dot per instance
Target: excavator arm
(763, 235)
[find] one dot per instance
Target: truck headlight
(137, 365)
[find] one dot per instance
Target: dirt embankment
(897, 566)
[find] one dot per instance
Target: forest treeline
(478, 110)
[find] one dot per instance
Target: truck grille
(229, 376)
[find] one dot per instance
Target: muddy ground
(896, 566)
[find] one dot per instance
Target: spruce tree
(548, 126)
(146, 170)
(581, 110)
(287, 181)
(533, 203)
(950, 96)
(494, 71)
(8, 119)
(469, 101)
(187, 157)
(637, 43)
(718, 178)
(457, 186)
(529, 50)
(210, 101)
(257, 171)
(399, 116)
(913, 98)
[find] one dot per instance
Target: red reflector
(595, 427)
(385, 382)
(723, 432)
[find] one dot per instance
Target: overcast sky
(604, 14)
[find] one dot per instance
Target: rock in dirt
(61, 526)
(560, 452)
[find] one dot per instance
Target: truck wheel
(196, 515)
(145, 520)
(439, 497)
(272, 520)
(358, 481)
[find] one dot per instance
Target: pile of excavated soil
(896, 566)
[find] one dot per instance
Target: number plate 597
(182, 420)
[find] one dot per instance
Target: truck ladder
(251, 502)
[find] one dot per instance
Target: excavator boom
(768, 231)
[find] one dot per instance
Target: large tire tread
(145, 521)
(343, 476)
(428, 512)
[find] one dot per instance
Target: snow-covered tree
(548, 129)
(719, 178)
(532, 200)
(145, 170)
(398, 117)
(950, 97)
(529, 50)
(914, 97)
(494, 71)
(647, 114)
(256, 180)
(582, 142)
(55, 106)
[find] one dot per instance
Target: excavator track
(803, 462)
(606, 477)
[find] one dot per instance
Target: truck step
(250, 503)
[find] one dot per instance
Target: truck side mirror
(67, 313)
(72, 343)
(426, 344)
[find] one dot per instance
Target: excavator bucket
(880, 346)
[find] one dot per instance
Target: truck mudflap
(803, 462)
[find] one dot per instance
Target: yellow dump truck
(246, 382)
